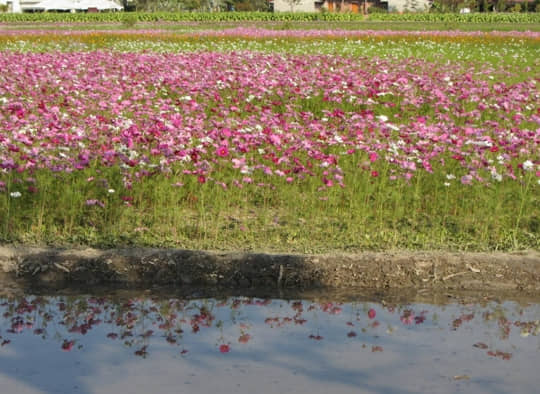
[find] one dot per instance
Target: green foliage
(268, 16)
(516, 8)
(377, 10)
(500, 5)
(130, 19)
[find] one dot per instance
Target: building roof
(47, 5)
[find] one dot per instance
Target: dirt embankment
(58, 268)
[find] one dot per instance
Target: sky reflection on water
(252, 345)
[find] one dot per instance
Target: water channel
(161, 343)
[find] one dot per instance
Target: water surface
(161, 344)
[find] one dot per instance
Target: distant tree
(250, 5)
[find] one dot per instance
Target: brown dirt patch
(142, 267)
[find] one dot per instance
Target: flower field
(106, 140)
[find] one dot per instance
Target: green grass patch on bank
(369, 214)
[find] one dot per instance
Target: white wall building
(354, 6)
(292, 5)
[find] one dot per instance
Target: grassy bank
(368, 214)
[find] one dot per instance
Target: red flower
(201, 179)
(371, 313)
(224, 348)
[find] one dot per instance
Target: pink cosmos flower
(222, 151)
(466, 179)
(95, 202)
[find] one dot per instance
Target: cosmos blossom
(253, 118)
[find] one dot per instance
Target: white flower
(382, 118)
(450, 176)
(528, 165)
(496, 176)
(15, 194)
(111, 191)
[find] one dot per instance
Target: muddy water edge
(143, 267)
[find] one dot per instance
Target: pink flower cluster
(253, 32)
(265, 116)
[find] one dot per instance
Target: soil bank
(22, 266)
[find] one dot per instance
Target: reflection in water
(93, 344)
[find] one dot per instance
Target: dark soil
(139, 267)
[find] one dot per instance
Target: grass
(508, 52)
(368, 214)
(296, 25)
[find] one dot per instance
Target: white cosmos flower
(382, 118)
(528, 165)
(111, 191)
(15, 194)
(496, 176)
